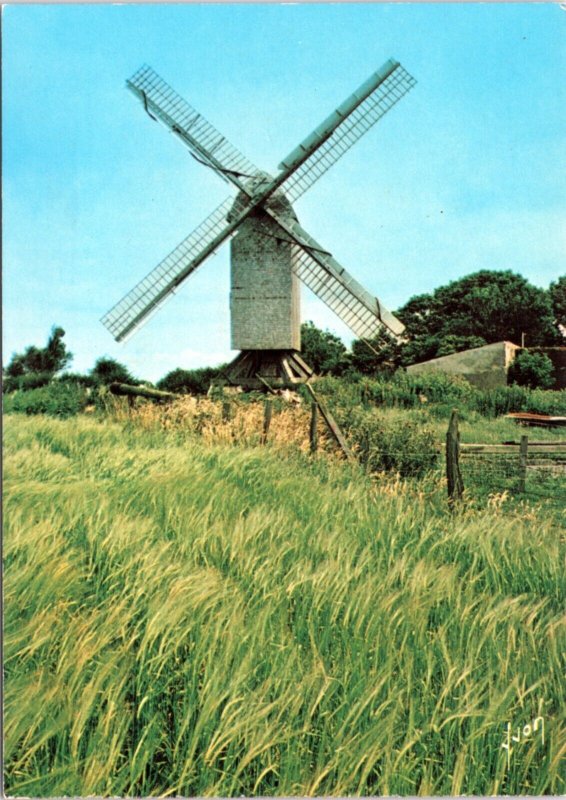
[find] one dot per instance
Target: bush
(108, 370)
(77, 378)
(399, 390)
(438, 392)
(189, 381)
(384, 444)
(56, 400)
(29, 380)
(534, 370)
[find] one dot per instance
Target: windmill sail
(150, 292)
(327, 143)
(364, 314)
(203, 140)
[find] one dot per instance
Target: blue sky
(465, 173)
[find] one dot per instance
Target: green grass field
(191, 618)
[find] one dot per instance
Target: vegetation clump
(391, 443)
(534, 370)
(59, 399)
(37, 365)
(437, 394)
(107, 370)
(484, 307)
(189, 381)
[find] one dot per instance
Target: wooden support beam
(288, 371)
(269, 388)
(332, 424)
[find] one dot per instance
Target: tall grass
(440, 393)
(183, 618)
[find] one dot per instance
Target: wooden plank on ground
(540, 420)
(126, 390)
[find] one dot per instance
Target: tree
(37, 365)
(108, 370)
(534, 370)
(487, 305)
(322, 350)
(557, 292)
(456, 344)
(379, 354)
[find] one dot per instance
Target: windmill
(270, 251)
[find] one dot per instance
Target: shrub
(26, 381)
(385, 443)
(56, 400)
(189, 381)
(399, 390)
(77, 378)
(438, 393)
(534, 370)
(108, 370)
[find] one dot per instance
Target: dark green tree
(37, 365)
(379, 354)
(107, 370)
(557, 291)
(455, 344)
(322, 350)
(487, 305)
(534, 370)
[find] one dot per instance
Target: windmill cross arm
(207, 144)
(140, 303)
(334, 137)
(364, 314)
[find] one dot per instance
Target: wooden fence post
(267, 414)
(314, 427)
(453, 475)
(226, 411)
(523, 453)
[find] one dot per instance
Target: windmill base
(280, 369)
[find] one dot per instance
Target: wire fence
(531, 469)
(543, 474)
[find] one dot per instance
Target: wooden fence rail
(517, 456)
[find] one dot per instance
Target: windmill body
(265, 289)
(270, 251)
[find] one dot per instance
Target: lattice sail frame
(140, 302)
(200, 136)
(334, 137)
(362, 312)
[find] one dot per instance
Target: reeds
(184, 617)
(232, 421)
